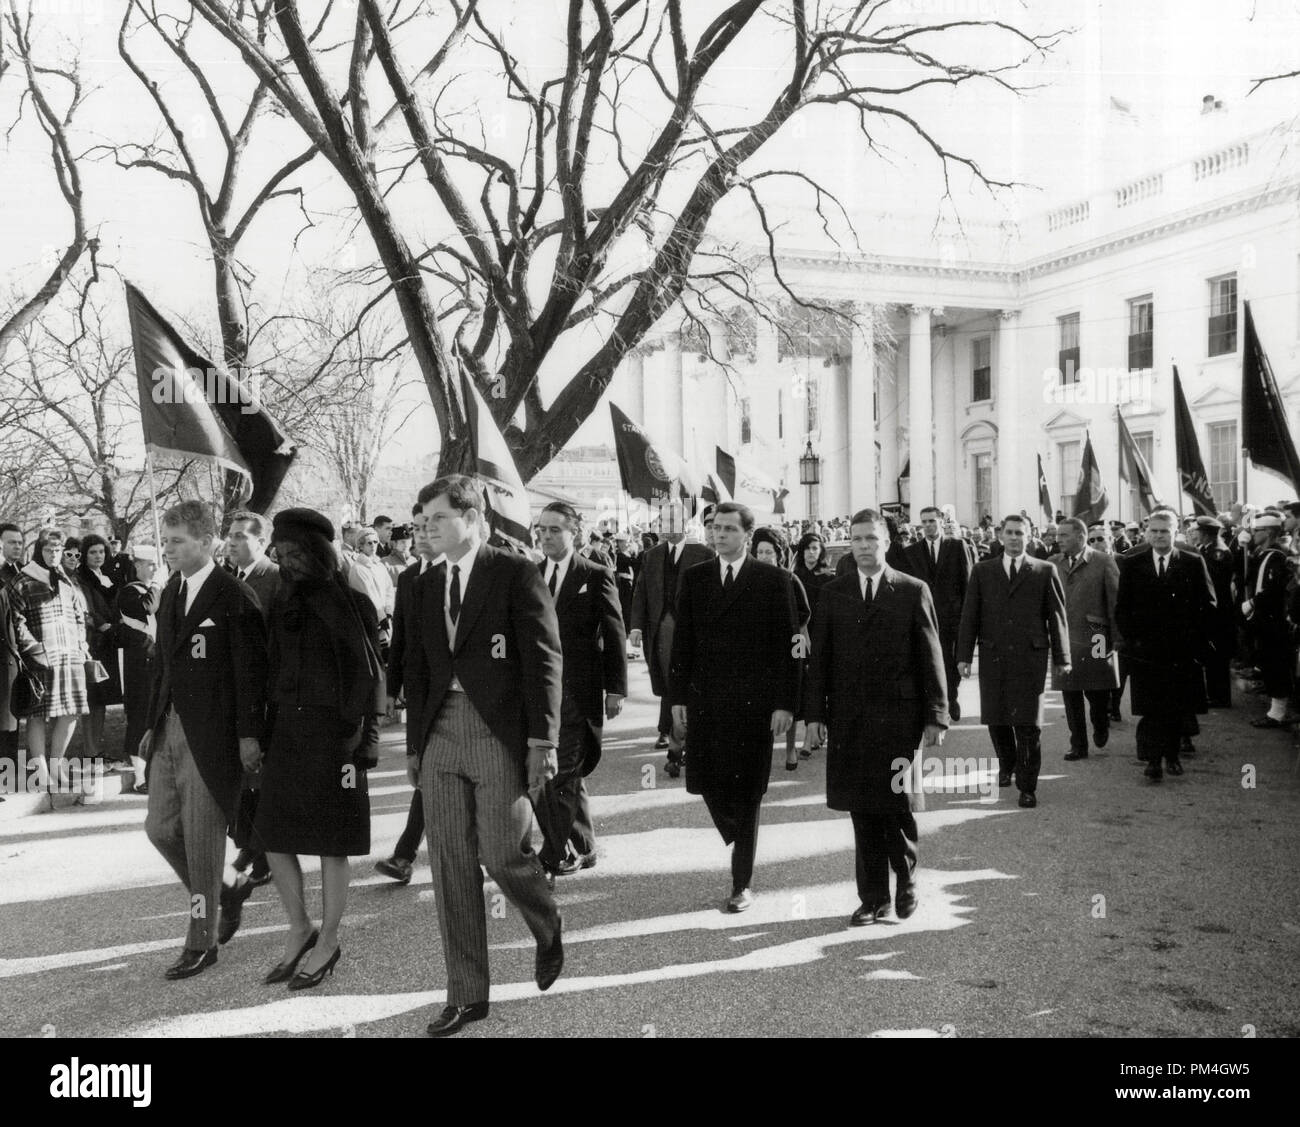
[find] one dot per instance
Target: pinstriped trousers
(188, 827)
(476, 810)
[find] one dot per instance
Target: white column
(1016, 472)
(673, 395)
(920, 408)
(861, 434)
(636, 401)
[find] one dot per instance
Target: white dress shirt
(735, 569)
(1156, 557)
(194, 582)
(875, 577)
(559, 568)
(466, 564)
(1019, 562)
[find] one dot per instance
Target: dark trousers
(948, 644)
(563, 799)
(1117, 695)
(1218, 667)
(1158, 737)
(1020, 752)
(737, 821)
(885, 839)
(1098, 712)
(408, 845)
(9, 751)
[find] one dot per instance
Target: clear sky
(1158, 57)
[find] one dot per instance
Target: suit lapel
(474, 597)
(434, 593)
(569, 588)
(202, 604)
(1022, 567)
(740, 581)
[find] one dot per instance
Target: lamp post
(810, 474)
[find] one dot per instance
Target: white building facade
(1011, 342)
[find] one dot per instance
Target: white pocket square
(582, 590)
(206, 623)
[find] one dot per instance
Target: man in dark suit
(654, 615)
(402, 863)
(944, 565)
(483, 690)
(734, 683)
(1090, 580)
(1015, 611)
(207, 715)
(595, 683)
(625, 568)
(1165, 610)
(119, 566)
(1218, 561)
(876, 678)
(246, 554)
(11, 562)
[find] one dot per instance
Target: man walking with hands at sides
(734, 683)
(483, 691)
(1091, 582)
(207, 715)
(595, 683)
(876, 679)
(1015, 611)
(944, 565)
(654, 614)
(1165, 610)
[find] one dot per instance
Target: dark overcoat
(876, 678)
(734, 663)
(1165, 629)
(1090, 593)
(652, 598)
(1017, 629)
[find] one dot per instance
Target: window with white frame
(1223, 315)
(1224, 459)
(1067, 358)
(1069, 457)
(981, 369)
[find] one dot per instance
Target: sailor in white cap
(1264, 609)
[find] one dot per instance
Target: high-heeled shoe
(282, 972)
(303, 981)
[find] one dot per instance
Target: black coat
(1165, 629)
(876, 678)
(402, 628)
(651, 599)
(507, 655)
(733, 664)
(593, 643)
(947, 582)
(212, 666)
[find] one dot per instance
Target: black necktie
(555, 571)
(866, 594)
(1013, 571)
(1160, 567)
(726, 579)
(182, 595)
(455, 593)
(934, 553)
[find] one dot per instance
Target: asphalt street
(1118, 907)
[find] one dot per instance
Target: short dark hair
(568, 512)
(869, 516)
(931, 509)
(258, 524)
(196, 517)
(462, 491)
(745, 513)
(417, 509)
(69, 541)
(380, 520)
(1019, 518)
(1072, 522)
(6, 527)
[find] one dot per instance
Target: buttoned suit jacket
(650, 600)
(947, 582)
(1091, 590)
(507, 653)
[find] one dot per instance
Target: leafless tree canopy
(586, 209)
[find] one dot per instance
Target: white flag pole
(153, 504)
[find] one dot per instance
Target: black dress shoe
(740, 901)
(190, 963)
(869, 913)
(454, 1018)
(954, 711)
(1116, 717)
(232, 908)
(1004, 780)
(1153, 772)
(1027, 800)
(550, 959)
(661, 743)
(1269, 722)
(905, 901)
(1186, 748)
(282, 972)
(398, 868)
(672, 768)
(1071, 756)
(571, 865)
(304, 981)
(1101, 736)
(1174, 767)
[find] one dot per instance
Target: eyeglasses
(1096, 539)
(73, 555)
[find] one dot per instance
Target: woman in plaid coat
(54, 612)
